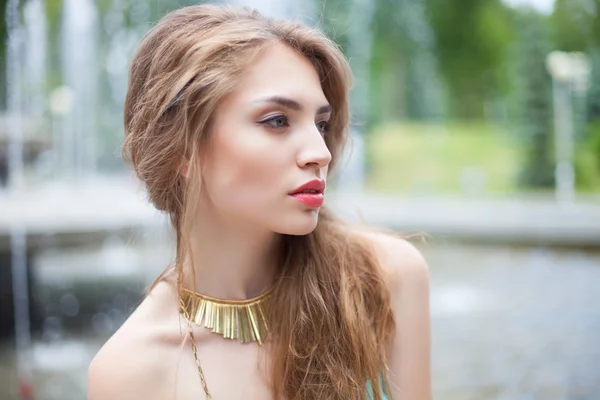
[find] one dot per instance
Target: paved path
(515, 323)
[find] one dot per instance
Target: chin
(300, 226)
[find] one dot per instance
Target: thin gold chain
(200, 372)
(192, 340)
(254, 329)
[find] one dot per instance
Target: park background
(476, 124)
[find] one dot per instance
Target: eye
(277, 121)
(323, 126)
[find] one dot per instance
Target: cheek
(244, 170)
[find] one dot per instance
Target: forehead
(278, 70)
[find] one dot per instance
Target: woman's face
(268, 141)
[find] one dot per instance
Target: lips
(316, 185)
(310, 194)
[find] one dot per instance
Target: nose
(314, 152)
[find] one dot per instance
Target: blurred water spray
(79, 49)
(359, 53)
(18, 236)
(14, 55)
(34, 57)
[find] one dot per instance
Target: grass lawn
(450, 158)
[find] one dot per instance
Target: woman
(233, 122)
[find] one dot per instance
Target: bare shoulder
(114, 372)
(131, 363)
(409, 352)
(402, 263)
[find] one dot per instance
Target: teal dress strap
(370, 395)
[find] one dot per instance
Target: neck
(230, 260)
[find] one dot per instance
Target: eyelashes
(281, 121)
(276, 121)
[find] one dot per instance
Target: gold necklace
(245, 320)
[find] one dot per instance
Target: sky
(545, 6)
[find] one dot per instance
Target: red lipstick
(311, 193)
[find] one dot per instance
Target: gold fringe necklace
(245, 320)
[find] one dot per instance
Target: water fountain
(70, 212)
(17, 234)
(79, 51)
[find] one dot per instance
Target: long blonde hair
(334, 320)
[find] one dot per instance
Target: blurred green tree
(534, 98)
(576, 24)
(404, 66)
(472, 39)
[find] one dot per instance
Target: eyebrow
(293, 104)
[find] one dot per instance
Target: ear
(184, 168)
